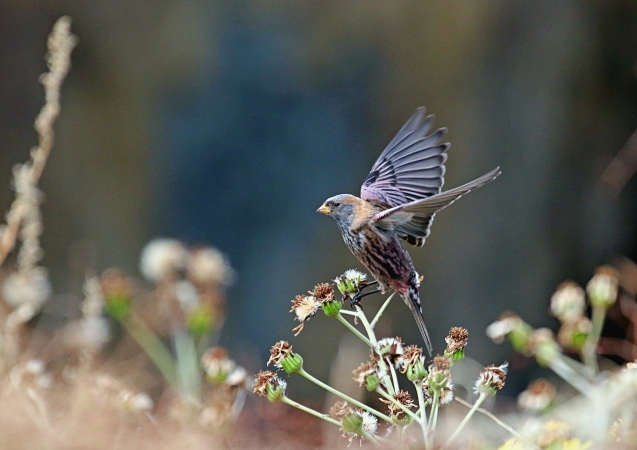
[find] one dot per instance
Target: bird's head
(342, 208)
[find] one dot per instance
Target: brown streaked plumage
(399, 199)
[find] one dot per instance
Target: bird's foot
(356, 299)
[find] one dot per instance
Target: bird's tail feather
(413, 301)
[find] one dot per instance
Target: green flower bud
(292, 363)
(602, 289)
(274, 393)
(438, 381)
(118, 306)
(519, 337)
(456, 356)
(546, 352)
(352, 423)
(332, 308)
(372, 381)
(401, 419)
(200, 321)
(416, 371)
(542, 345)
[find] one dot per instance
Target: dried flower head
(323, 293)
(340, 410)
(440, 364)
(116, 284)
(538, 396)
(237, 378)
(491, 379)
(209, 267)
(267, 384)
(217, 365)
(573, 334)
(391, 349)
(29, 288)
(439, 375)
(304, 307)
(457, 339)
(568, 302)
(397, 414)
(370, 422)
(356, 276)
(281, 356)
(602, 288)
(163, 258)
(446, 394)
(350, 282)
(364, 372)
(358, 424)
(414, 363)
(456, 342)
(279, 351)
(117, 290)
(541, 343)
(509, 326)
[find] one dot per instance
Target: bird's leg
(365, 284)
(356, 299)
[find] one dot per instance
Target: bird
(398, 202)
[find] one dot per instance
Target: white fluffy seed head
(209, 266)
(162, 258)
(568, 302)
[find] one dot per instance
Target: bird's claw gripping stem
(356, 299)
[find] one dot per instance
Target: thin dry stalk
(24, 211)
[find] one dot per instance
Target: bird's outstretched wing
(414, 219)
(411, 167)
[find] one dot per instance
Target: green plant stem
(188, 371)
(568, 374)
(394, 377)
(422, 408)
(351, 327)
(491, 416)
(590, 346)
(368, 436)
(433, 420)
(407, 411)
(381, 310)
(464, 422)
(325, 417)
(372, 337)
(347, 398)
(581, 369)
(365, 322)
(152, 345)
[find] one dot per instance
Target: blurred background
(228, 123)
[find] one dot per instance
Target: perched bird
(399, 199)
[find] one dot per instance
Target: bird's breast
(383, 255)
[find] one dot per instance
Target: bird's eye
(337, 204)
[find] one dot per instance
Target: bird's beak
(324, 209)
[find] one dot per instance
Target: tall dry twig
(24, 214)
